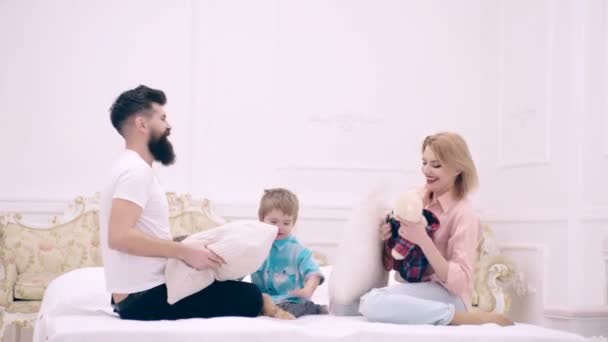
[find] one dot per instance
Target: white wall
(328, 98)
(62, 65)
(594, 152)
(544, 132)
(288, 92)
(526, 103)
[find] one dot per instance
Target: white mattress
(76, 308)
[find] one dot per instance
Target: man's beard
(161, 149)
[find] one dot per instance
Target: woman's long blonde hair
(453, 152)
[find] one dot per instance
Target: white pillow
(80, 291)
(358, 261)
(244, 245)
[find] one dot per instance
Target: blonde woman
(444, 295)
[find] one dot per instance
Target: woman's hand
(414, 231)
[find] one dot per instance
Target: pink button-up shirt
(456, 239)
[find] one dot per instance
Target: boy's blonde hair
(281, 199)
(452, 150)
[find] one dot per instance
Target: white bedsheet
(76, 308)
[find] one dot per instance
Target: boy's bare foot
(282, 314)
(270, 309)
(478, 317)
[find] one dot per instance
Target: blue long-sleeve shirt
(286, 269)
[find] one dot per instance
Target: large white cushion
(244, 245)
(358, 262)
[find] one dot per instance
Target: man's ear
(140, 122)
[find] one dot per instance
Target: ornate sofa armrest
(495, 279)
(8, 278)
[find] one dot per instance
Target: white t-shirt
(132, 179)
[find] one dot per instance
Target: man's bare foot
(478, 317)
(270, 309)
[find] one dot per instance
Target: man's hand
(199, 257)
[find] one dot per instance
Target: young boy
(289, 275)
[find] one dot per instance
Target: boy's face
(282, 221)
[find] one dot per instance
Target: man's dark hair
(134, 101)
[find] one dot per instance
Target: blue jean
(411, 303)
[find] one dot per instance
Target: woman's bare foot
(270, 309)
(478, 317)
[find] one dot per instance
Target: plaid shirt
(413, 266)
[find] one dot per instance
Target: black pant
(304, 308)
(226, 298)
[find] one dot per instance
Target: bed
(51, 279)
(76, 308)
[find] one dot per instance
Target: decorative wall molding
(586, 321)
(41, 213)
(345, 122)
(531, 215)
(605, 106)
(343, 167)
(589, 213)
(595, 213)
(48, 207)
(34, 206)
(605, 135)
(313, 213)
(357, 151)
(525, 109)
